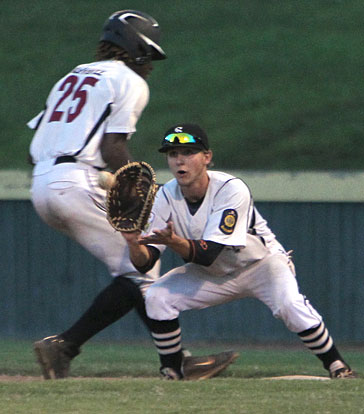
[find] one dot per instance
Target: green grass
(123, 378)
(218, 396)
(277, 84)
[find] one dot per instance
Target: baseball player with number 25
(209, 219)
(90, 115)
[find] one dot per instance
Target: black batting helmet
(136, 32)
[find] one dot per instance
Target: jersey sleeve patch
(228, 221)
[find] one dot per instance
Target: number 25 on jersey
(72, 92)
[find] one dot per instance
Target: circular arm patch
(228, 221)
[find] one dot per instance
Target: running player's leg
(70, 207)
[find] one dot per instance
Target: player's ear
(208, 157)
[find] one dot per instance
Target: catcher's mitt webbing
(130, 199)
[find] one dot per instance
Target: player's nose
(180, 159)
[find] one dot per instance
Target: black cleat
(54, 356)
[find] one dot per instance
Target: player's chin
(182, 179)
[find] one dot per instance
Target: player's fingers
(170, 226)
(148, 239)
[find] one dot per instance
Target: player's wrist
(180, 245)
(174, 241)
(139, 255)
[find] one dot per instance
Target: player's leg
(174, 364)
(111, 304)
(189, 287)
(65, 204)
(66, 199)
(182, 289)
(275, 285)
(115, 301)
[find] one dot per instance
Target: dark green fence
(47, 280)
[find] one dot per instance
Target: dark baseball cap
(185, 135)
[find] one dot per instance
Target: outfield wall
(325, 186)
(48, 280)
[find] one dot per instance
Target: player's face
(188, 165)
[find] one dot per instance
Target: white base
(299, 377)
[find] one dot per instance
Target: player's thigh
(40, 196)
(87, 224)
(271, 281)
(70, 208)
(274, 284)
(185, 288)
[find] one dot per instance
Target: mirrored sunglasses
(181, 138)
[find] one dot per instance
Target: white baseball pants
(270, 280)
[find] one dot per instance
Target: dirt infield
(23, 378)
(26, 378)
(18, 378)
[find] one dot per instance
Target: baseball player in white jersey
(90, 115)
(209, 219)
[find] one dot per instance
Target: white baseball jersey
(252, 263)
(93, 99)
(226, 216)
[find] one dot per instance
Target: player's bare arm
(138, 253)
(114, 150)
(168, 237)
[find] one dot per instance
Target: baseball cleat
(54, 356)
(340, 370)
(170, 374)
(343, 373)
(204, 367)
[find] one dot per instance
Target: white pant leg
(271, 281)
(187, 287)
(63, 198)
(274, 284)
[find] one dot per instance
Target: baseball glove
(130, 199)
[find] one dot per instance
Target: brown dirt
(25, 378)
(18, 378)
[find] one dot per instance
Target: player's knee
(285, 309)
(293, 313)
(158, 306)
(154, 302)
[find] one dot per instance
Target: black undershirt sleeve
(204, 252)
(154, 254)
(201, 252)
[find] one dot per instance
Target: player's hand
(164, 236)
(131, 237)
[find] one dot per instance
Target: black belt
(65, 158)
(70, 158)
